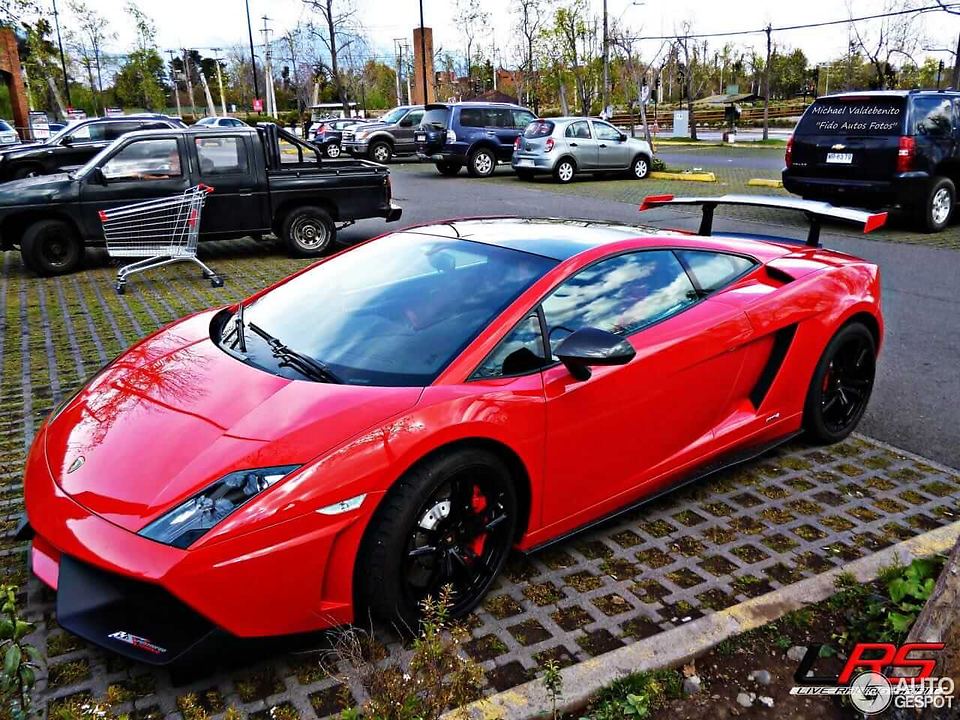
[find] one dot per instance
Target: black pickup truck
(265, 180)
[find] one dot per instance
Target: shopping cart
(159, 231)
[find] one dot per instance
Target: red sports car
(401, 415)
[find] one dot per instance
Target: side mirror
(591, 346)
(623, 137)
(97, 176)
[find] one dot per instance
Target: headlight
(361, 135)
(189, 521)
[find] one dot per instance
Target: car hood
(42, 188)
(175, 413)
(367, 127)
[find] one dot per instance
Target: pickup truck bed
(264, 179)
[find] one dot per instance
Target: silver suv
(570, 145)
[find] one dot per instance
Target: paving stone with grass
(794, 513)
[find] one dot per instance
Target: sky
(222, 23)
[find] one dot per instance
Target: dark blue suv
(476, 134)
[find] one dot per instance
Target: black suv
(897, 149)
(75, 144)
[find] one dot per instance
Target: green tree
(788, 73)
(141, 80)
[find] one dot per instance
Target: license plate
(421, 137)
(524, 163)
(840, 158)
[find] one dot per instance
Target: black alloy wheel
(841, 386)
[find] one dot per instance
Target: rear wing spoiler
(815, 211)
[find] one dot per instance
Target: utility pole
(268, 69)
(223, 102)
(63, 57)
(398, 47)
(606, 62)
(955, 81)
(423, 55)
(766, 87)
(187, 74)
(253, 56)
(173, 77)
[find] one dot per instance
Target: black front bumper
(135, 619)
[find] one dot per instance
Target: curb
(583, 680)
(687, 176)
(765, 182)
(750, 144)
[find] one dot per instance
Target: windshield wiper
(297, 360)
(238, 328)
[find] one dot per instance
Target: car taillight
(321, 128)
(906, 154)
(548, 146)
(516, 144)
(788, 155)
(451, 136)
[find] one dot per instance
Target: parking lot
(734, 536)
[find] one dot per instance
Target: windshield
(394, 115)
(394, 312)
(873, 116)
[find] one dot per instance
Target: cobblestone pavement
(731, 178)
(739, 534)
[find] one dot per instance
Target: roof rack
(815, 211)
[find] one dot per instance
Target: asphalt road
(915, 404)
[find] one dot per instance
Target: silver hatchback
(567, 146)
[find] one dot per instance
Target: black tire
(565, 171)
(640, 167)
(51, 247)
(482, 163)
(938, 205)
(308, 231)
(411, 544)
(332, 150)
(526, 175)
(380, 151)
(25, 171)
(448, 169)
(841, 385)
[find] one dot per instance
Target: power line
(785, 28)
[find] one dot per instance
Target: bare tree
(883, 39)
(530, 19)
(87, 41)
(473, 21)
(577, 43)
(955, 78)
(338, 30)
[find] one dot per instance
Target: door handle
(603, 144)
(245, 190)
(573, 145)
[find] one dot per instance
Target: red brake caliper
(478, 503)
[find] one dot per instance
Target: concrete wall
(416, 82)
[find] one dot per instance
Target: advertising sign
(39, 125)
(257, 105)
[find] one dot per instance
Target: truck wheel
(308, 231)
(51, 247)
(380, 152)
(482, 163)
(448, 169)
(333, 150)
(938, 205)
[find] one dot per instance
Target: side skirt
(723, 463)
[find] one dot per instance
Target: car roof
(561, 239)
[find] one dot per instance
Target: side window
(605, 132)
(622, 294)
(471, 117)
(111, 131)
(714, 271)
(579, 129)
(933, 116)
(88, 133)
(145, 160)
(221, 155)
(520, 352)
(412, 118)
(501, 118)
(522, 118)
